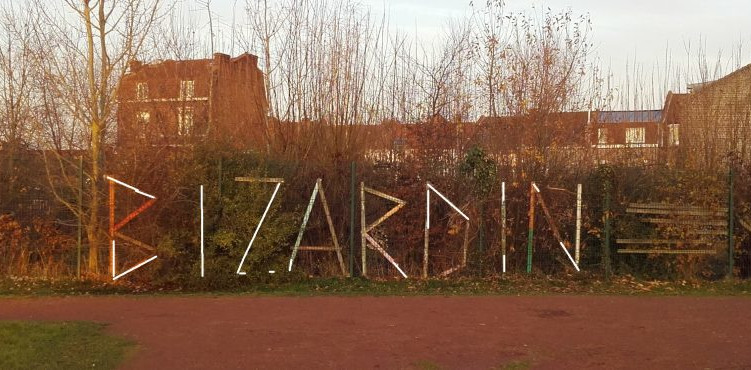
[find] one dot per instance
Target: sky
(633, 39)
(623, 31)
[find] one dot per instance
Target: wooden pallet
(664, 241)
(709, 221)
(667, 251)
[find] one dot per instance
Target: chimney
(253, 60)
(134, 66)
(221, 57)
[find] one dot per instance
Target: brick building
(177, 103)
(625, 129)
(712, 120)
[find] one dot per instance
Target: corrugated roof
(629, 116)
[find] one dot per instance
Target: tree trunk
(92, 230)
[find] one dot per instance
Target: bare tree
(80, 65)
(440, 71)
(16, 85)
(489, 44)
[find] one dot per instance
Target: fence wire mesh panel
(490, 213)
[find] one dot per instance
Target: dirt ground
(415, 332)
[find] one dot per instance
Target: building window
(635, 135)
(673, 135)
(187, 89)
(399, 144)
(39, 205)
(602, 136)
(142, 118)
(185, 121)
(142, 91)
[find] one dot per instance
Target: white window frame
(142, 118)
(674, 138)
(142, 91)
(185, 121)
(602, 136)
(636, 135)
(187, 89)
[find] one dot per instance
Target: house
(625, 129)
(704, 125)
(713, 120)
(179, 102)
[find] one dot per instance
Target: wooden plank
(317, 248)
(667, 251)
(577, 238)
(384, 195)
(363, 244)
(465, 245)
(503, 225)
(551, 222)
(687, 222)
(662, 241)
(450, 271)
(676, 207)
(722, 232)
(374, 245)
(135, 242)
(260, 179)
(399, 204)
(134, 214)
(384, 217)
(674, 212)
(426, 238)
(305, 219)
(111, 258)
(331, 226)
(112, 211)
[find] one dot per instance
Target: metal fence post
(531, 231)
(606, 243)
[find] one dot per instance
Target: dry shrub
(36, 249)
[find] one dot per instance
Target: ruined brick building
(177, 103)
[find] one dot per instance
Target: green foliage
(232, 210)
(426, 365)
(63, 345)
(242, 207)
(657, 184)
(481, 170)
(517, 365)
(295, 285)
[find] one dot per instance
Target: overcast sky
(622, 30)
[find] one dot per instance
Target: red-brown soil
(415, 332)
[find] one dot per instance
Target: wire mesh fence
(488, 215)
